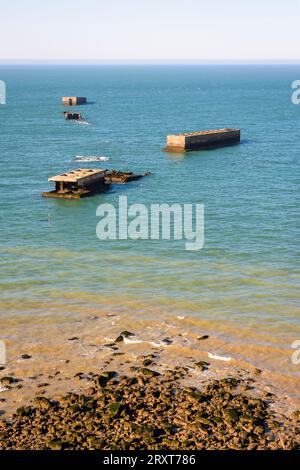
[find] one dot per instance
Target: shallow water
(242, 288)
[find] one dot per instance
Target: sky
(150, 30)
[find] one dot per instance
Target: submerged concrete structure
(202, 140)
(84, 182)
(73, 116)
(73, 100)
(115, 176)
(78, 183)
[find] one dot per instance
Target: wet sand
(51, 355)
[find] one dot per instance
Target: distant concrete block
(73, 100)
(203, 140)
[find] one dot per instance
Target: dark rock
(95, 442)
(202, 365)
(167, 340)
(207, 422)
(109, 374)
(43, 403)
(115, 408)
(147, 362)
(231, 414)
(149, 372)
(110, 345)
(119, 339)
(26, 356)
(55, 444)
(24, 411)
(126, 334)
(101, 381)
(198, 396)
(202, 338)
(74, 408)
(7, 381)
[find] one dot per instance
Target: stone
(115, 408)
(55, 444)
(43, 403)
(202, 365)
(7, 381)
(109, 374)
(147, 362)
(167, 340)
(126, 334)
(198, 396)
(231, 414)
(119, 339)
(24, 411)
(101, 381)
(149, 372)
(146, 413)
(205, 421)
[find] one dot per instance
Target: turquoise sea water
(245, 282)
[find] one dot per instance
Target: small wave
(83, 122)
(219, 358)
(91, 158)
(138, 341)
(132, 341)
(156, 345)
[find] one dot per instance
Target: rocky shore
(150, 410)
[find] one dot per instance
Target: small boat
(91, 158)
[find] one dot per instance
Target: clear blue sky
(159, 30)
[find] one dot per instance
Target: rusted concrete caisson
(78, 183)
(202, 140)
(73, 116)
(115, 176)
(84, 182)
(73, 100)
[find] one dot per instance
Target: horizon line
(149, 62)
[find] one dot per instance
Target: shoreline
(153, 411)
(66, 351)
(34, 392)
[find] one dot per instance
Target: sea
(241, 288)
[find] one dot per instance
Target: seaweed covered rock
(151, 411)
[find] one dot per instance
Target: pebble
(25, 356)
(151, 411)
(202, 338)
(7, 381)
(119, 339)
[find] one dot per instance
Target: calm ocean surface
(243, 286)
